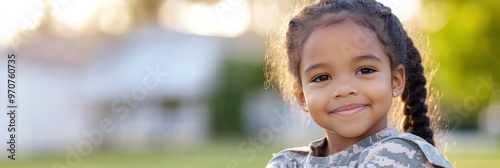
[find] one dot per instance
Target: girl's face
(346, 80)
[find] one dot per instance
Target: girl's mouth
(348, 110)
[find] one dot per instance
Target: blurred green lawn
(476, 160)
(217, 154)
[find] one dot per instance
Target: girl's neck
(337, 142)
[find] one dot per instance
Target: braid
(416, 121)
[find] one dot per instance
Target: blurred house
(175, 110)
(161, 79)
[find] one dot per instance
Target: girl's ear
(301, 99)
(398, 80)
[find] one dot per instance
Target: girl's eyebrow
(369, 57)
(314, 66)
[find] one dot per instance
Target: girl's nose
(344, 91)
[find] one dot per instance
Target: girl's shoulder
(402, 149)
(291, 157)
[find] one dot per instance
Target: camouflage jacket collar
(319, 146)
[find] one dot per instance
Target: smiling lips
(348, 110)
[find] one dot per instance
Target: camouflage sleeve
(394, 153)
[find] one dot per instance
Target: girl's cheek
(317, 99)
(379, 89)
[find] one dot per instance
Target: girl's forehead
(345, 39)
(346, 31)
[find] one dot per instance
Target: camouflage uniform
(387, 148)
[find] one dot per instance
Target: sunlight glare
(16, 16)
(221, 19)
(75, 15)
(114, 17)
(405, 10)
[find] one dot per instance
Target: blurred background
(180, 83)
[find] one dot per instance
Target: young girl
(345, 61)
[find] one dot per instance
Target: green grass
(217, 154)
(475, 160)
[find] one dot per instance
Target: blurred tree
(467, 47)
(236, 78)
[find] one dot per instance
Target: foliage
(467, 47)
(236, 78)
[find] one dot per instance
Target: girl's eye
(363, 71)
(322, 78)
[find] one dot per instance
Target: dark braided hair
(388, 30)
(416, 121)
